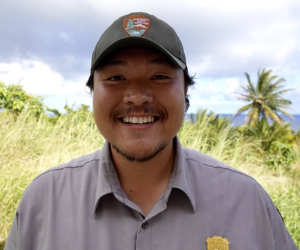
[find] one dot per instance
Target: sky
(46, 46)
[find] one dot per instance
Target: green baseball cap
(139, 30)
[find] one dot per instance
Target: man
(143, 190)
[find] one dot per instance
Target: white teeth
(138, 119)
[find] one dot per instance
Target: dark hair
(188, 82)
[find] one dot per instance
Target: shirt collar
(180, 177)
(108, 181)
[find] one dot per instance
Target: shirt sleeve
(12, 239)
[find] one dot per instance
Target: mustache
(147, 110)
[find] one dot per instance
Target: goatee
(140, 159)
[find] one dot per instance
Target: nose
(138, 93)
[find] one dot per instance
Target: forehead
(145, 55)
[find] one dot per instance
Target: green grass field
(29, 147)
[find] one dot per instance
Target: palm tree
(265, 100)
(268, 134)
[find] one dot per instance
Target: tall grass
(221, 141)
(28, 147)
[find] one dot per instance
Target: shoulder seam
(62, 168)
(236, 172)
(232, 170)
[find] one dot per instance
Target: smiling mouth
(138, 119)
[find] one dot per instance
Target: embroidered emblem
(217, 243)
(136, 25)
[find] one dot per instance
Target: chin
(137, 155)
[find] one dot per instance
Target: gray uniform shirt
(81, 205)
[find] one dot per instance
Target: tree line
(276, 141)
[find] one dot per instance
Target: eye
(160, 77)
(116, 78)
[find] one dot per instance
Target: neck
(145, 182)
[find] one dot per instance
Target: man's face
(138, 100)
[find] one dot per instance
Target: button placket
(144, 236)
(145, 225)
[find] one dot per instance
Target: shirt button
(145, 225)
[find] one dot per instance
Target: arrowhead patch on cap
(136, 25)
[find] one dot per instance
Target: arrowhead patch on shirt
(136, 25)
(217, 243)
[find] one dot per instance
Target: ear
(185, 90)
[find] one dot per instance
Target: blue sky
(46, 45)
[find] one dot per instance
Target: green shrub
(14, 99)
(280, 155)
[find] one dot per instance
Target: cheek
(177, 94)
(97, 99)
(101, 97)
(105, 102)
(100, 104)
(179, 91)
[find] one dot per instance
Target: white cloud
(52, 42)
(215, 94)
(38, 79)
(64, 36)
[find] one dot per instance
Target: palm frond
(266, 98)
(242, 110)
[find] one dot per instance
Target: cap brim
(135, 42)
